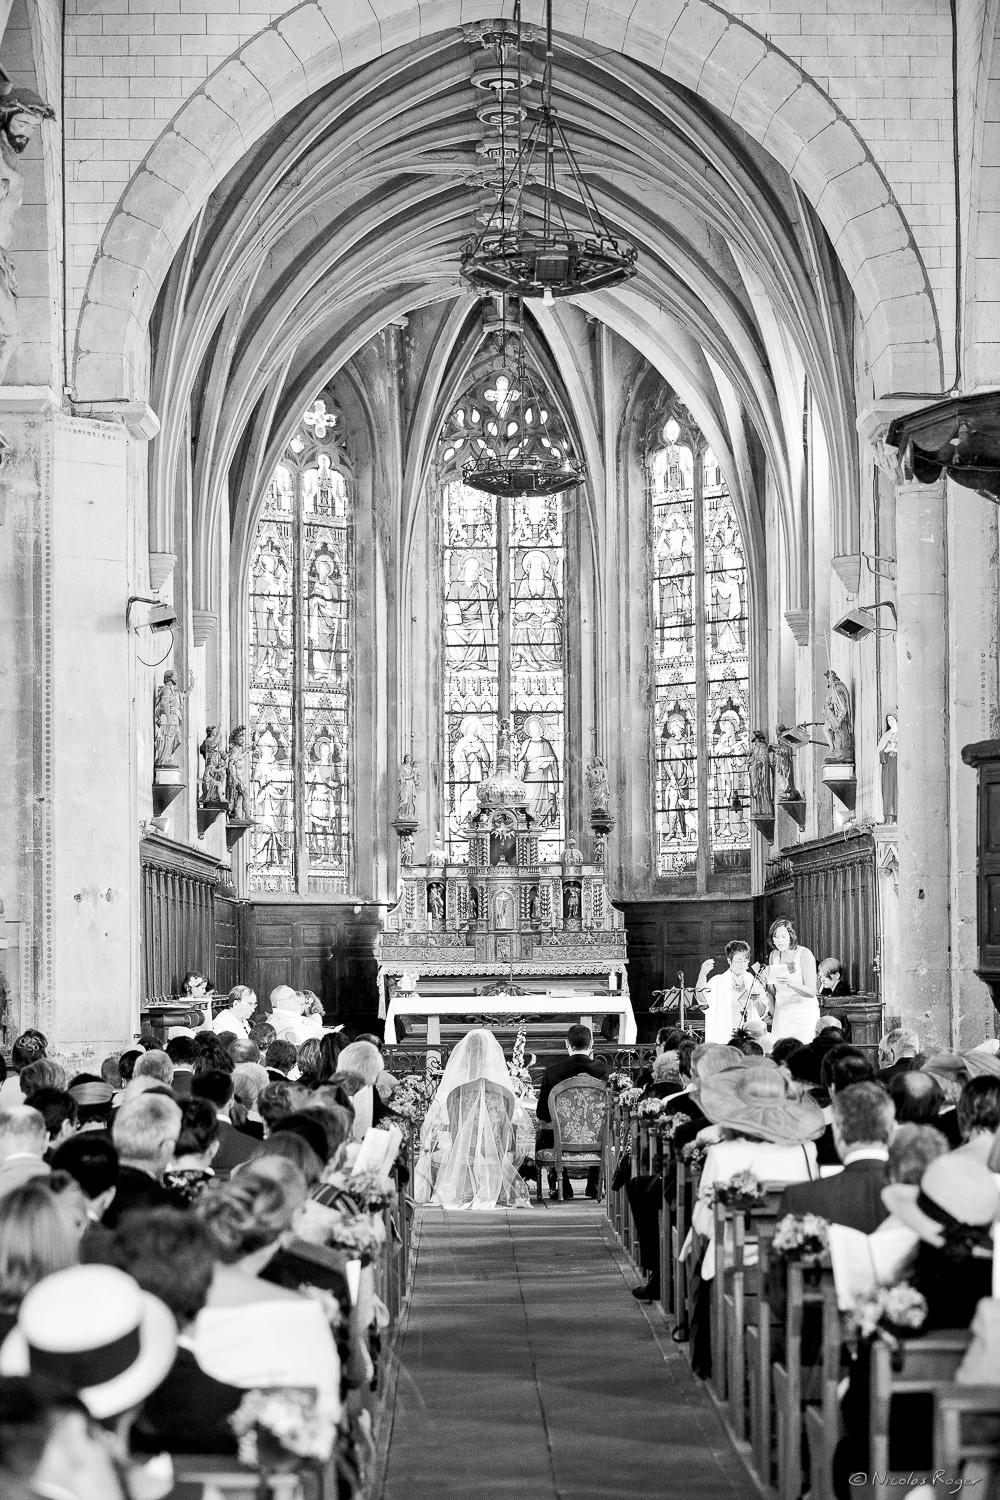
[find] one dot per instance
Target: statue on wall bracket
(838, 718)
(238, 818)
(760, 765)
(790, 799)
(168, 736)
(212, 789)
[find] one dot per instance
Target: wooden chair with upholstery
(579, 1108)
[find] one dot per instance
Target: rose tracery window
(700, 663)
(301, 665)
(504, 625)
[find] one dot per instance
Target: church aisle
(528, 1370)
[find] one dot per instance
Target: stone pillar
(923, 998)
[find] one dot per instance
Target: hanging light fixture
(519, 451)
(544, 258)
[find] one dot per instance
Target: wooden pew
(787, 1378)
(679, 1228)
(953, 1446)
(822, 1421)
(735, 1291)
(668, 1207)
(758, 1347)
(927, 1362)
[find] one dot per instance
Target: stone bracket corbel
(137, 417)
(203, 623)
(797, 621)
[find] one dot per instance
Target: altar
(499, 933)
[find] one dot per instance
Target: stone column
(922, 654)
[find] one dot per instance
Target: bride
(475, 1133)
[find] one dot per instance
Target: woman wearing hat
(791, 982)
(952, 1213)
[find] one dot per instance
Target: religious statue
(473, 904)
(572, 901)
(409, 785)
(236, 787)
(435, 902)
(213, 780)
(572, 853)
(761, 776)
(784, 768)
(21, 112)
(886, 751)
(837, 717)
(406, 848)
(168, 705)
(600, 788)
(534, 907)
(503, 910)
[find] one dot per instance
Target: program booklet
(377, 1151)
(864, 1262)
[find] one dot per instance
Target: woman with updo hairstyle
(308, 1061)
(253, 1333)
(329, 1052)
(790, 978)
(37, 1238)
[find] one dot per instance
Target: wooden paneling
(665, 937)
(827, 889)
(178, 914)
(328, 949)
(228, 943)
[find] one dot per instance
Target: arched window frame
(701, 706)
(311, 832)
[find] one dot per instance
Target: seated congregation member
(241, 1050)
(28, 1048)
(732, 998)
(37, 1237)
(277, 1100)
(249, 1078)
(951, 1071)
(169, 1253)
(288, 1018)
(157, 1065)
(234, 1017)
(93, 1162)
(911, 1151)
(234, 1147)
(364, 1060)
(476, 1132)
(784, 1049)
(252, 1333)
(330, 1046)
(280, 1059)
(58, 1109)
(126, 1063)
(194, 1152)
(145, 1135)
(212, 1054)
(978, 1115)
(917, 1098)
(898, 1052)
(44, 1073)
(307, 1062)
(23, 1144)
(951, 1213)
(262, 1034)
(862, 1125)
(579, 1059)
(302, 1143)
(831, 981)
(94, 1105)
(184, 1055)
(92, 1329)
(47, 1445)
(839, 1068)
(386, 1083)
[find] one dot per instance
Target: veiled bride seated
(476, 1132)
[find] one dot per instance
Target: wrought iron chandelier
(517, 455)
(530, 253)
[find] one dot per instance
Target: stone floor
(528, 1370)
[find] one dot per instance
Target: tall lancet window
(301, 666)
(701, 663)
(503, 627)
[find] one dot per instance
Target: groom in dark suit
(862, 1122)
(580, 1047)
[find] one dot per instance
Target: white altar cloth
(574, 1007)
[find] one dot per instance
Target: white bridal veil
(475, 1133)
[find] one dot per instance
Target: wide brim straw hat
(982, 1064)
(953, 1067)
(757, 1102)
(93, 1330)
(955, 1190)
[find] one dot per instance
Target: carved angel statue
(236, 788)
(784, 768)
(213, 780)
(168, 706)
(761, 776)
(409, 786)
(597, 781)
(21, 112)
(838, 718)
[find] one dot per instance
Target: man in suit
(863, 1118)
(234, 1146)
(145, 1133)
(183, 1054)
(24, 1141)
(898, 1052)
(579, 1059)
(279, 1059)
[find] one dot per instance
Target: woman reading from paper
(791, 982)
(476, 1132)
(732, 1000)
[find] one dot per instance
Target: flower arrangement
(651, 1109)
(629, 1098)
(520, 1076)
(801, 1237)
(371, 1191)
(890, 1314)
(693, 1156)
(270, 1426)
(740, 1191)
(618, 1082)
(412, 1099)
(358, 1234)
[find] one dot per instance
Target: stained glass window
(701, 665)
(504, 629)
(301, 622)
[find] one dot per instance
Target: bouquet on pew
(741, 1191)
(651, 1109)
(412, 1099)
(519, 1068)
(277, 1425)
(371, 1191)
(693, 1156)
(891, 1314)
(801, 1237)
(354, 1232)
(620, 1083)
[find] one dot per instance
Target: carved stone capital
(203, 624)
(797, 621)
(874, 422)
